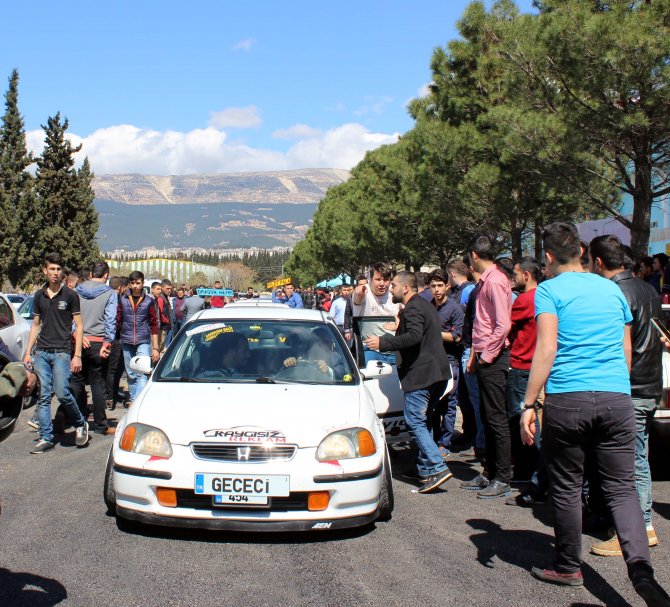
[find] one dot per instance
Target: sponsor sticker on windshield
(216, 332)
(205, 328)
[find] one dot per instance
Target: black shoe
(434, 481)
(650, 590)
(414, 476)
(495, 489)
(42, 446)
(476, 484)
(526, 500)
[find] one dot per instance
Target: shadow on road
(526, 549)
(662, 509)
(29, 590)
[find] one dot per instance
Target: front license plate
(242, 488)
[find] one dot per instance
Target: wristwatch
(536, 406)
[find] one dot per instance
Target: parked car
(16, 299)
(14, 329)
(256, 419)
(26, 308)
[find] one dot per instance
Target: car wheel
(108, 491)
(386, 495)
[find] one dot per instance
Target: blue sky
(220, 86)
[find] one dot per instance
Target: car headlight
(147, 440)
(346, 444)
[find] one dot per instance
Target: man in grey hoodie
(99, 304)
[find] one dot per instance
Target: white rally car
(256, 419)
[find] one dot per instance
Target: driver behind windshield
(321, 354)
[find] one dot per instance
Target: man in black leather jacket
(646, 376)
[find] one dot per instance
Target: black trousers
(492, 380)
(114, 371)
(93, 370)
(601, 424)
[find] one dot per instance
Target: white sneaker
(81, 435)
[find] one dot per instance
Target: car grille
(187, 498)
(256, 453)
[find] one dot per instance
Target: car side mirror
(141, 364)
(375, 369)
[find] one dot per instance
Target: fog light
(318, 500)
(166, 497)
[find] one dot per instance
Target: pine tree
(65, 198)
(17, 209)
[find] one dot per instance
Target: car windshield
(26, 308)
(258, 351)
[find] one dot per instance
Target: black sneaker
(650, 590)
(434, 481)
(476, 484)
(42, 446)
(526, 500)
(414, 476)
(495, 489)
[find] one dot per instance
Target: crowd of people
(554, 364)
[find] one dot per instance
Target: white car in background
(256, 419)
(14, 329)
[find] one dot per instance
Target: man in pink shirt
(492, 325)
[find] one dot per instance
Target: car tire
(108, 491)
(386, 500)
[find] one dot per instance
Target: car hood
(248, 413)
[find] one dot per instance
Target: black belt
(52, 350)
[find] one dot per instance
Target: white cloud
(424, 91)
(244, 45)
(297, 131)
(235, 117)
(373, 105)
(129, 149)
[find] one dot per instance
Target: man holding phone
(646, 374)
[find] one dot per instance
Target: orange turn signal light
(166, 497)
(318, 500)
(366, 444)
(128, 438)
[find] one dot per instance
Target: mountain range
(222, 211)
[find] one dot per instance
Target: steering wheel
(306, 370)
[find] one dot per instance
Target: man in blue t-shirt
(583, 354)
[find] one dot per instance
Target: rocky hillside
(295, 187)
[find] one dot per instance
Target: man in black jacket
(646, 376)
(423, 369)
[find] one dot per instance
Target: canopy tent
(335, 282)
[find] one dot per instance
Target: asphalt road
(58, 546)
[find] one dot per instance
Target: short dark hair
(662, 259)
(361, 277)
(384, 269)
(458, 267)
(629, 259)
(155, 284)
(125, 280)
(53, 258)
(437, 276)
(532, 266)
(609, 249)
(166, 283)
(506, 266)
(647, 261)
(115, 282)
(561, 239)
(422, 279)
(99, 269)
(484, 246)
(135, 275)
(73, 274)
(406, 278)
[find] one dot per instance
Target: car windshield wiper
(272, 380)
(192, 379)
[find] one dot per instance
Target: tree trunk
(642, 200)
(537, 229)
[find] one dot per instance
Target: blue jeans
(419, 407)
(385, 357)
(473, 393)
(53, 371)
(447, 411)
(136, 381)
(644, 414)
(517, 382)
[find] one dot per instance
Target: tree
(65, 200)
(603, 69)
(16, 193)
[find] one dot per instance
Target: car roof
(260, 309)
